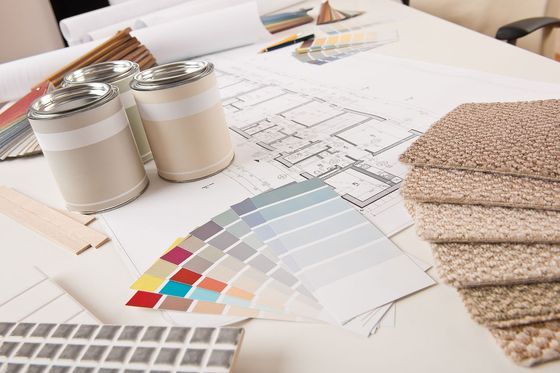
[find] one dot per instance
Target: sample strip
(195, 270)
(299, 252)
(331, 248)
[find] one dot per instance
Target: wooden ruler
(66, 229)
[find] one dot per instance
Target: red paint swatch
(176, 255)
(185, 276)
(19, 109)
(144, 299)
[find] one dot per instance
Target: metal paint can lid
(106, 72)
(72, 99)
(171, 75)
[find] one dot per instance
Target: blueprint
(304, 125)
(306, 134)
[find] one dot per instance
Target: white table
(433, 332)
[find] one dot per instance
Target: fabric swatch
(473, 223)
(429, 184)
(506, 306)
(515, 138)
(480, 264)
(531, 344)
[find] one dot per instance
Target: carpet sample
(474, 223)
(506, 306)
(531, 344)
(482, 264)
(515, 138)
(429, 184)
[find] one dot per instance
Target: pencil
(288, 41)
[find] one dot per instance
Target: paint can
(87, 141)
(119, 74)
(184, 120)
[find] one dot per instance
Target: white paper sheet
(74, 28)
(17, 77)
(33, 297)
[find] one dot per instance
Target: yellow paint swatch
(147, 283)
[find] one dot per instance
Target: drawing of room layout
(356, 152)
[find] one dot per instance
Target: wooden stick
(149, 63)
(143, 58)
(80, 218)
(65, 224)
(134, 54)
(73, 64)
(44, 228)
(91, 59)
(124, 52)
(109, 55)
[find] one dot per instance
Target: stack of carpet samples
(484, 189)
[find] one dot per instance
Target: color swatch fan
(327, 14)
(296, 253)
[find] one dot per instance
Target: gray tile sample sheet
(30, 347)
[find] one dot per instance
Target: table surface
(433, 331)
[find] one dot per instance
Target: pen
(292, 39)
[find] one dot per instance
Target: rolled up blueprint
(74, 28)
(180, 11)
(203, 34)
(202, 6)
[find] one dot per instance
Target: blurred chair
(533, 22)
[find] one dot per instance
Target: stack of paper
(299, 252)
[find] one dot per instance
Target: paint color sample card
(335, 45)
(36, 298)
(346, 40)
(263, 258)
(205, 277)
(296, 253)
(339, 256)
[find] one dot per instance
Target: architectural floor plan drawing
(305, 135)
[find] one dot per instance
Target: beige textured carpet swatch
(473, 223)
(429, 184)
(506, 306)
(531, 344)
(481, 264)
(516, 138)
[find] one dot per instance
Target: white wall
(27, 27)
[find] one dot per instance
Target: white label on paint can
(78, 138)
(181, 108)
